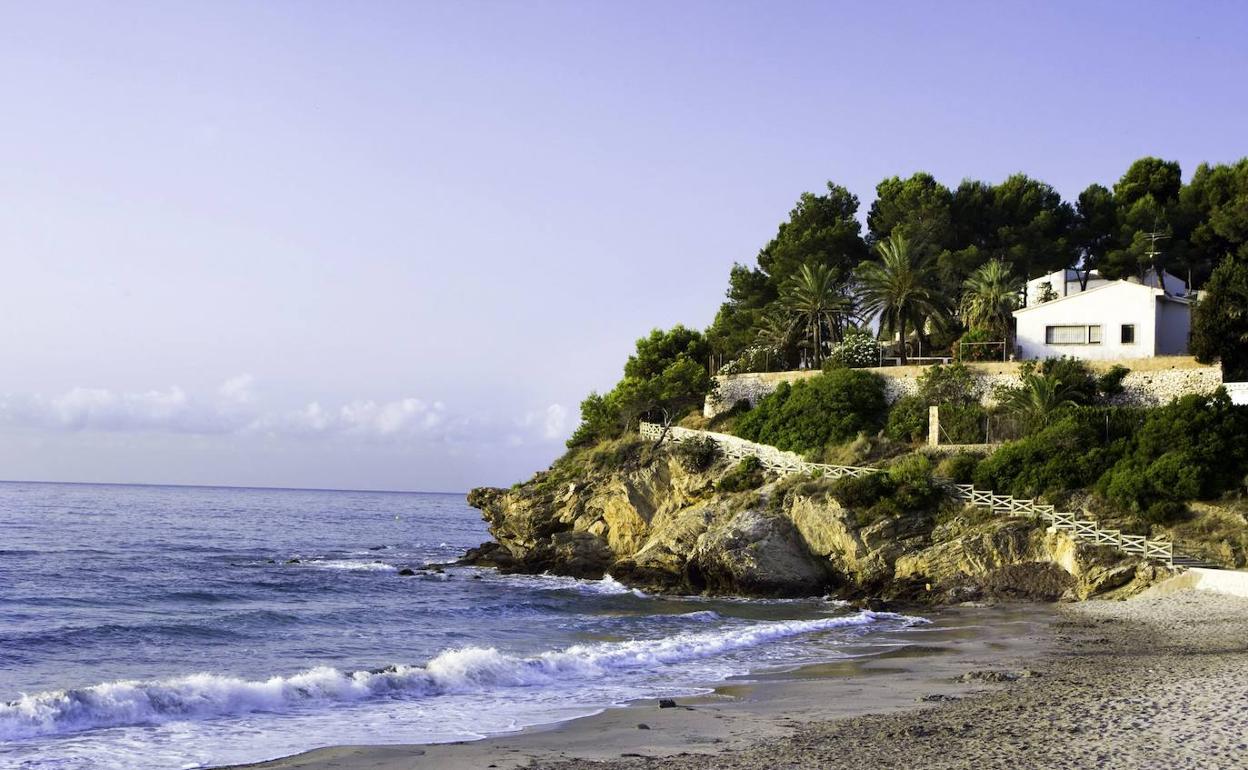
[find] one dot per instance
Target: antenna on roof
(1152, 254)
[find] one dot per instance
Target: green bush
(697, 453)
(1192, 448)
(809, 414)
(953, 383)
(914, 488)
(1109, 384)
(907, 420)
(747, 474)
(959, 468)
(1076, 378)
(1068, 454)
(862, 492)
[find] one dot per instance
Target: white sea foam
(608, 586)
(351, 566)
(468, 670)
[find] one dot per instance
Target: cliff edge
(652, 518)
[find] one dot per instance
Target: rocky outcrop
(654, 524)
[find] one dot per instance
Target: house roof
(1160, 294)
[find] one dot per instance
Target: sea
(190, 627)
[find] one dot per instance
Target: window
(1066, 335)
(1072, 335)
(1128, 334)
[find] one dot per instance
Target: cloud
(556, 419)
(235, 408)
(238, 389)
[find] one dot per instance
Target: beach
(1152, 681)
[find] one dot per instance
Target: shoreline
(918, 671)
(1157, 680)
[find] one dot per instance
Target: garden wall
(1152, 381)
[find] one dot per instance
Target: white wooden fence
(781, 461)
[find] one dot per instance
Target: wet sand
(1151, 682)
(921, 669)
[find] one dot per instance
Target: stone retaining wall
(1152, 381)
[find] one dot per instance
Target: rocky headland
(649, 518)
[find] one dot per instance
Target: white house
(1110, 320)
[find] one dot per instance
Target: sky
(381, 245)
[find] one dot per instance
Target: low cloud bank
(235, 408)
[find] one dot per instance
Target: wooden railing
(780, 461)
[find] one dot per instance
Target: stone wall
(1152, 381)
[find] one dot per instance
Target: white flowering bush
(758, 358)
(857, 350)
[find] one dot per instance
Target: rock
(759, 553)
(293, 561)
(643, 726)
(649, 522)
(667, 703)
(407, 572)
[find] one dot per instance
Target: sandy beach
(1158, 681)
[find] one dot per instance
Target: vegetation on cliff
(940, 269)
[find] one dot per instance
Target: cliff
(646, 518)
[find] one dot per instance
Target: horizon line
(230, 486)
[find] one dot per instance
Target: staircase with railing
(1085, 530)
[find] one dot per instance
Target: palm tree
(816, 300)
(1037, 399)
(901, 288)
(775, 333)
(989, 298)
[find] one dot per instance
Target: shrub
(914, 487)
(622, 452)
(808, 415)
(697, 453)
(959, 468)
(907, 420)
(747, 474)
(962, 423)
(1067, 454)
(1109, 384)
(976, 352)
(858, 349)
(953, 383)
(862, 492)
(1192, 448)
(1077, 382)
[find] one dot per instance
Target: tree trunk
(901, 351)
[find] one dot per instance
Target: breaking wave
(468, 670)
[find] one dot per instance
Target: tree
(1216, 203)
(665, 376)
(821, 230)
(989, 298)
(817, 302)
(901, 289)
(1095, 228)
(918, 208)
(1033, 227)
(1147, 201)
(1220, 320)
(750, 292)
(656, 352)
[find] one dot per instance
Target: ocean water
(184, 627)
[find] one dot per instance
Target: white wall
(1109, 307)
(1174, 320)
(1238, 391)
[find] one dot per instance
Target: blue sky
(392, 245)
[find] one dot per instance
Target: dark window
(1128, 334)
